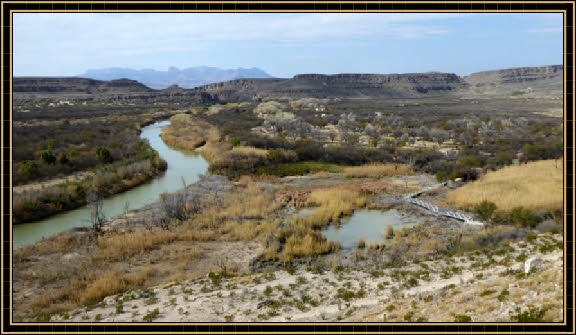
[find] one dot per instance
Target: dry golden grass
(113, 282)
(378, 170)
(62, 243)
(188, 132)
(213, 151)
(253, 201)
(312, 243)
(536, 185)
(119, 246)
(247, 150)
(300, 233)
(333, 203)
(250, 230)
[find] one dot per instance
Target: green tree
(63, 159)
(104, 155)
(28, 169)
(47, 157)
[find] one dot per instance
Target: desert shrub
(103, 155)
(281, 156)
(27, 169)
(523, 217)
(234, 164)
(47, 157)
(470, 161)
(485, 210)
(462, 318)
(532, 314)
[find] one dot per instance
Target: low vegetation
(516, 186)
(376, 170)
(514, 194)
(40, 202)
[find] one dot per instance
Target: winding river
(180, 166)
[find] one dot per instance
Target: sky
(285, 44)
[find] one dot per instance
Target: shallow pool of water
(370, 225)
(181, 166)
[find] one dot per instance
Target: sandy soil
(333, 295)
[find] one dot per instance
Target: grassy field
(297, 168)
(536, 185)
(378, 170)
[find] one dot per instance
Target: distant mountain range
(187, 78)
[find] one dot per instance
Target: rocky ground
(487, 285)
(504, 271)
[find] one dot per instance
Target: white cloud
(74, 41)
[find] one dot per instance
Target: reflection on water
(180, 166)
(368, 224)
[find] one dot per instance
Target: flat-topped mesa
(338, 85)
(45, 89)
(543, 81)
(383, 78)
(123, 86)
(76, 85)
(547, 75)
(245, 83)
(53, 85)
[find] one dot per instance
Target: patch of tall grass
(536, 186)
(333, 203)
(115, 247)
(297, 168)
(188, 132)
(378, 170)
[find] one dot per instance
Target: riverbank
(55, 185)
(35, 203)
(181, 167)
(145, 262)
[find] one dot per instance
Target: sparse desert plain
(359, 197)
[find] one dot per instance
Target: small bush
(524, 217)
(487, 292)
(389, 232)
(151, 316)
(408, 317)
(533, 314)
(485, 210)
(503, 294)
(462, 318)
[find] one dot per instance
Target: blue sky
(67, 44)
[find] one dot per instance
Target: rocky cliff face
(27, 89)
(544, 80)
(340, 85)
(530, 81)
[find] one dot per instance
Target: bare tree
(97, 216)
(174, 205)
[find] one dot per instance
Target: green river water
(180, 165)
